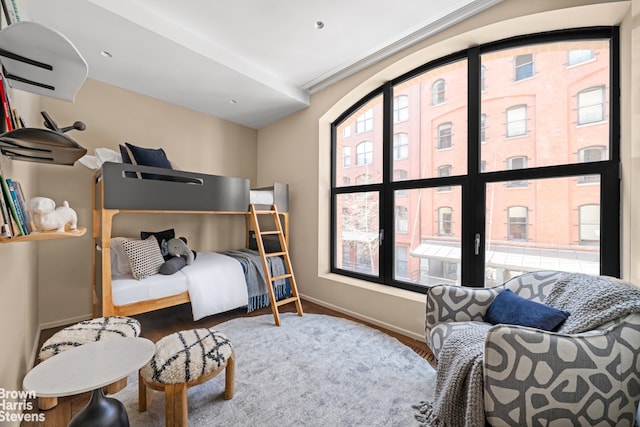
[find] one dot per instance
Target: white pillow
(144, 256)
(119, 260)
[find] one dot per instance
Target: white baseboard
(65, 322)
(367, 319)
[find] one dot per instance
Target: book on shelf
(7, 123)
(6, 227)
(13, 208)
(21, 205)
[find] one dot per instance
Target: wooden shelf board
(45, 235)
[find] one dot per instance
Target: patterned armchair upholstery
(530, 375)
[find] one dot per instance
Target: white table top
(88, 367)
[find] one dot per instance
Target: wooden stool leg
(230, 377)
(176, 405)
(143, 394)
(45, 403)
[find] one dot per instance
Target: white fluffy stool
(98, 329)
(182, 360)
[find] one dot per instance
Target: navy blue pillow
(148, 156)
(511, 309)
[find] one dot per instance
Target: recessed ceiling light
(232, 101)
(319, 25)
(106, 54)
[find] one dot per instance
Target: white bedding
(261, 197)
(216, 283)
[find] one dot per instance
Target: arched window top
(438, 92)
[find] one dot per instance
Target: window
(402, 219)
(591, 154)
(364, 123)
(437, 92)
(517, 223)
(346, 157)
(517, 121)
(346, 132)
(400, 203)
(444, 136)
(591, 105)
(523, 66)
(346, 180)
(578, 56)
(444, 221)
(400, 108)
(483, 78)
(400, 146)
(444, 171)
(589, 224)
(517, 163)
(364, 153)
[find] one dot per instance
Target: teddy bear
(181, 256)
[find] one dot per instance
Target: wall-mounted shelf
(45, 235)
(40, 145)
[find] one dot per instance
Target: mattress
(216, 283)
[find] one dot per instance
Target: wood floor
(158, 324)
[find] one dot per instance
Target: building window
(402, 220)
(444, 136)
(400, 175)
(346, 180)
(591, 154)
(437, 92)
(445, 221)
(523, 66)
(591, 105)
(401, 262)
(364, 122)
(400, 146)
(444, 171)
(346, 157)
(400, 108)
(483, 78)
(364, 153)
(483, 128)
(578, 56)
(519, 162)
(517, 121)
(363, 179)
(589, 224)
(346, 132)
(517, 223)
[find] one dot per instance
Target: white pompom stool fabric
(101, 328)
(185, 359)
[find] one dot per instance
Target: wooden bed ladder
(284, 253)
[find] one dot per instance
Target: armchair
(534, 377)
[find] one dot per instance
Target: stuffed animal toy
(181, 256)
(47, 217)
(178, 247)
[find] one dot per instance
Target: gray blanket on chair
(592, 300)
(459, 398)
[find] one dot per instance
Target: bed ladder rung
(272, 254)
(284, 253)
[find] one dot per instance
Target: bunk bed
(121, 188)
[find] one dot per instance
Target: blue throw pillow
(511, 309)
(148, 156)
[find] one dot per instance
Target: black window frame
(474, 181)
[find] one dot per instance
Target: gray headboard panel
(134, 187)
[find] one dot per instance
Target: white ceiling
(251, 62)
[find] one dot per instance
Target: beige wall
(19, 280)
(303, 141)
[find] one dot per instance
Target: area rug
(314, 370)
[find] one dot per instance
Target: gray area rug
(314, 370)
